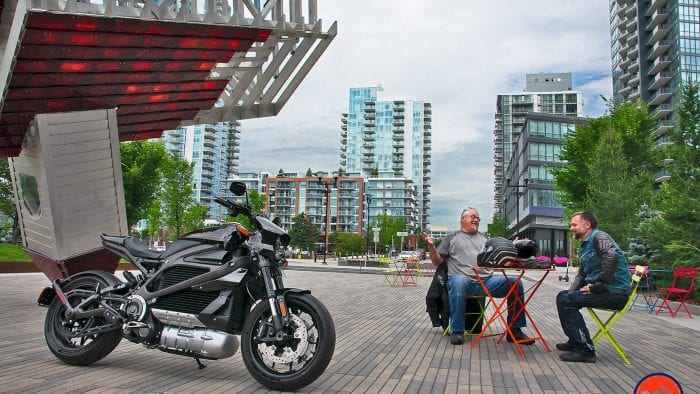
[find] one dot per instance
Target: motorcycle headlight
(279, 250)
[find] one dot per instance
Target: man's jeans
(459, 287)
(568, 305)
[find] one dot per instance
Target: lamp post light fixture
(327, 186)
(517, 193)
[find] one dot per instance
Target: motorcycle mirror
(237, 188)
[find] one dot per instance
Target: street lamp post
(368, 201)
(517, 195)
(327, 185)
(386, 206)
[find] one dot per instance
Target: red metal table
(500, 308)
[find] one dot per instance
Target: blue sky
(458, 55)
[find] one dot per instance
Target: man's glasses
(472, 217)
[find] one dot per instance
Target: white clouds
(458, 55)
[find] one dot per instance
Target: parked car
(409, 254)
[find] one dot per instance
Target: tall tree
(388, 227)
(141, 163)
(194, 217)
(498, 227)
(633, 125)
(347, 243)
(615, 193)
(303, 233)
(176, 192)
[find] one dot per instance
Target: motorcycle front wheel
(293, 363)
(60, 332)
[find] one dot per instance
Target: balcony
(658, 33)
(621, 9)
(625, 63)
(631, 25)
(664, 127)
(661, 96)
(370, 116)
(659, 49)
(634, 94)
(660, 80)
(632, 39)
(661, 176)
(658, 17)
(659, 64)
(634, 66)
(663, 111)
(626, 91)
(621, 36)
(633, 53)
(634, 80)
(653, 6)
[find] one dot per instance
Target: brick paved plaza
(385, 343)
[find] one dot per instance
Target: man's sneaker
(456, 338)
(578, 357)
(566, 346)
(520, 337)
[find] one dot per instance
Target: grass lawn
(13, 253)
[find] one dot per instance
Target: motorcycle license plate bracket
(46, 296)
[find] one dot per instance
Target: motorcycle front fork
(278, 307)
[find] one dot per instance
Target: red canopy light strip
(112, 90)
(88, 23)
(50, 52)
(29, 80)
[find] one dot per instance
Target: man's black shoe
(456, 338)
(520, 337)
(578, 357)
(566, 346)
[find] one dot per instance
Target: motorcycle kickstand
(199, 363)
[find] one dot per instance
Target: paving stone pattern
(385, 343)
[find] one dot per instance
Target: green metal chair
(473, 316)
(391, 274)
(615, 315)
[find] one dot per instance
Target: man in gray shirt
(459, 250)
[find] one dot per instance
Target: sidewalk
(385, 343)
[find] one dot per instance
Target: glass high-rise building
(548, 93)
(379, 136)
(655, 48)
(214, 151)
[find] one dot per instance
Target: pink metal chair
(675, 289)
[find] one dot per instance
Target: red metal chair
(682, 293)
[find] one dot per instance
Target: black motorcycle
(193, 299)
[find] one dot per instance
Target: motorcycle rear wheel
(295, 363)
(83, 350)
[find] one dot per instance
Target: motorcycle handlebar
(223, 202)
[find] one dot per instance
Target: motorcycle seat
(139, 249)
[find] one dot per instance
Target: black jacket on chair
(438, 304)
(436, 301)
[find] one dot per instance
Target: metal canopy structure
(161, 64)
